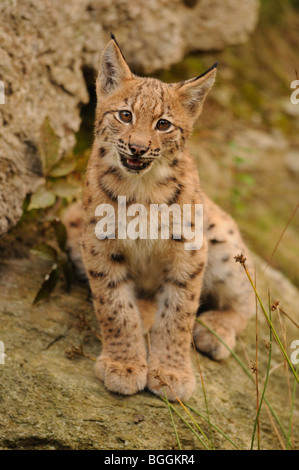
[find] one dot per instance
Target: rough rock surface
(44, 46)
(48, 401)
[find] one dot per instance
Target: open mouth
(134, 164)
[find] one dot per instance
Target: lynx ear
(113, 68)
(193, 92)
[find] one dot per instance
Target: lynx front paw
(121, 377)
(207, 343)
(175, 383)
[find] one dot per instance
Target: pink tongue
(134, 163)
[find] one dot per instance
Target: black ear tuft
(114, 39)
(113, 68)
(214, 66)
(194, 91)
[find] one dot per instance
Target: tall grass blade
(173, 423)
(271, 325)
(204, 391)
(200, 439)
(292, 408)
(264, 389)
(247, 372)
(214, 426)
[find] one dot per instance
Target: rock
(265, 141)
(45, 46)
(51, 402)
(290, 108)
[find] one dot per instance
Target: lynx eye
(163, 125)
(125, 116)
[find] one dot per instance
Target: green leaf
(48, 285)
(63, 168)
(48, 146)
(66, 188)
(232, 145)
(44, 251)
(246, 179)
(60, 233)
(41, 198)
(238, 160)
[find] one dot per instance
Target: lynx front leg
(169, 363)
(122, 365)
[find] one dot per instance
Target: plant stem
(246, 371)
(213, 426)
(173, 423)
(271, 325)
(187, 424)
(264, 390)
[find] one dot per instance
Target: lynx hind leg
(222, 323)
(227, 296)
(73, 222)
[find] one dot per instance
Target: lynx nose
(137, 150)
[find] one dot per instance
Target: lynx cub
(155, 285)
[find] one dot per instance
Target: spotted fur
(155, 285)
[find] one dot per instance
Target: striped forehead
(149, 97)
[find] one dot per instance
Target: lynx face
(147, 129)
(144, 121)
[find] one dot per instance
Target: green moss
(252, 95)
(282, 122)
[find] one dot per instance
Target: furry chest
(146, 262)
